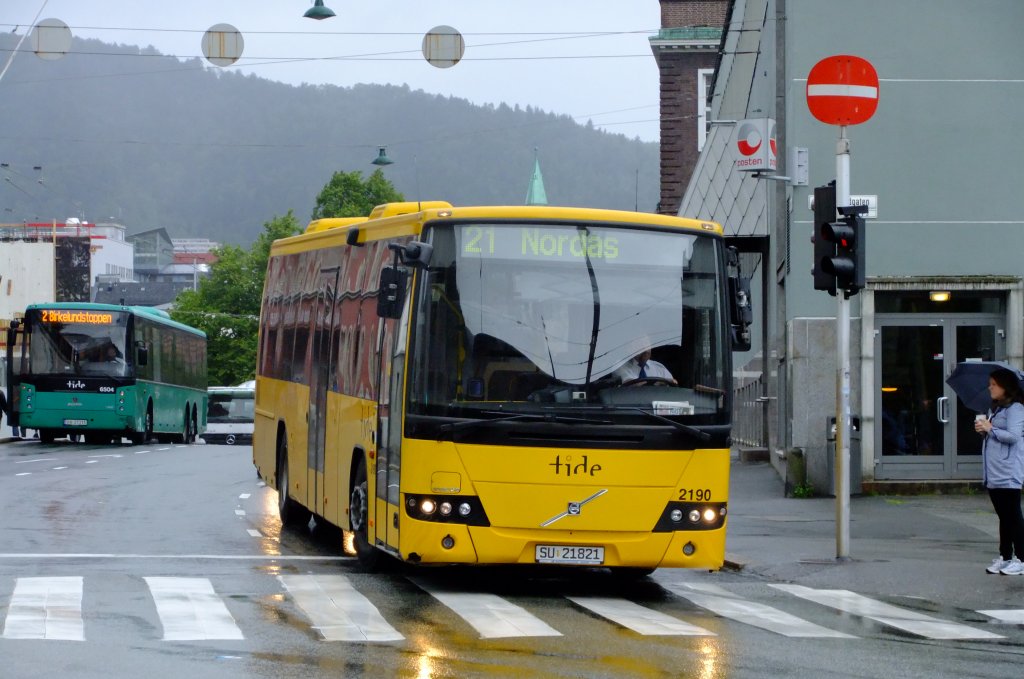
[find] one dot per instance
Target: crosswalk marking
(639, 618)
(46, 608)
(893, 616)
(490, 615)
(190, 610)
(1013, 615)
(337, 610)
(722, 602)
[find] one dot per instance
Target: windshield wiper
(693, 431)
(522, 417)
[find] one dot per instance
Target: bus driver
(642, 366)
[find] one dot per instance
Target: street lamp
(318, 11)
(382, 158)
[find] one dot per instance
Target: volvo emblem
(574, 508)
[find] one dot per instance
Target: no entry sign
(842, 90)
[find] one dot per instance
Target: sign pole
(842, 452)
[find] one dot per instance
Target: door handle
(942, 408)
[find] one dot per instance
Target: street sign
(223, 44)
(870, 201)
(842, 90)
(443, 47)
(51, 39)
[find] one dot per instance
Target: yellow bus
(503, 385)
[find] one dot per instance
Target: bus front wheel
(366, 553)
(140, 437)
(291, 512)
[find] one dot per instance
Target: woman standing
(1003, 466)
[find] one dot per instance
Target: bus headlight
(462, 509)
(689, 516)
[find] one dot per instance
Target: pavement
(930, 546)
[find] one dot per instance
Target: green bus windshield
(66, 342)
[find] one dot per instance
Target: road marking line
(261, 484)
(490, 615)
(160, 449)
(108, 455)
(727, 605)
(639, 618)
(56, 468)
(24, 474)
(337, 610)
(91, 461)
(253, 532)
(893, 616)
(141, 452)
(46, 608)
(190, 610)
(243, 496)
(240, 512)
(207, 557)
(1014, 615)
(178, 447)
(42, 459)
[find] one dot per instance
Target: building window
(704, 77)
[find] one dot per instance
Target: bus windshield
(63, 342)
(531, 317)
(231, 406)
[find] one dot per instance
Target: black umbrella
(969, 382)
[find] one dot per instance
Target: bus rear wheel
(47, 435)
(291, 512)
(367, 554)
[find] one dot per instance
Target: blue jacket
(1003, 451)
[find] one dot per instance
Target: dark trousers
(1011, 522)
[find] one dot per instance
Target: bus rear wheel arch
(291, 512)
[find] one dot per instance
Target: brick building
(686, 49)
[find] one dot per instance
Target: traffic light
(848, 263)
(824, 246)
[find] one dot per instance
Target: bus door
(319, 380)
(390, 380)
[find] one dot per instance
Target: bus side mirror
(141, 354)
(391, 294)
(741, 315)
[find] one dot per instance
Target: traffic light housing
(847, 265)
(824, 246)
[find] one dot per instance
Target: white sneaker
(998, 564)
(1013, 567)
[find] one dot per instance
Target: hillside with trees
(128, 135)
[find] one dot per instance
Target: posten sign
(754, 146)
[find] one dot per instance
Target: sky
(589, 59)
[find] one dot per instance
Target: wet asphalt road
(122, 518)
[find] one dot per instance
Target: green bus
(105, 372)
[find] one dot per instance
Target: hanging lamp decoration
(318, 11)
(382, 158)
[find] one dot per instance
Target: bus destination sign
(70, 316)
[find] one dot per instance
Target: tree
(227, 304)
(347, 195)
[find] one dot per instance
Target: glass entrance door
(923, 431)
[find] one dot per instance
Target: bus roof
(158, 315)
(393, 220)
